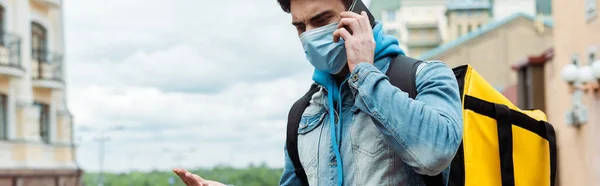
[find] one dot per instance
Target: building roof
(379, 6)
(540, 59)
(479, 32)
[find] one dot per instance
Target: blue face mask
(324, 54)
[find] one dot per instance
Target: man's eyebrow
(314, 18)
(297, 23)
(321, 15)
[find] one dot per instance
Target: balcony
(46, 70)
(10, 57)
(422, 25)
(50, 3)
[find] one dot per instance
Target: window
(38, 41)
(590, 9)
(2, 26)
(469, 28)
(458, 30)
(44, 121)
(531, 88)
(391, 15)
(3, 121)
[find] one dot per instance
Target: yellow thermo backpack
(502, 145)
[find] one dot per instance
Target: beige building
(465, 16)
(35, 125)
(577, 41)
(419, 25)
(493, 48)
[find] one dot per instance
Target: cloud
(233, 124)
(216, 76)
(175, 47)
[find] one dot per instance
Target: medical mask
(324, 54)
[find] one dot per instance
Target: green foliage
(250, 176)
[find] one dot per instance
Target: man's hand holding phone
(360, 45)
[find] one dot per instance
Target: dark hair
(285, 4)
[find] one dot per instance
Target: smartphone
(358, 6)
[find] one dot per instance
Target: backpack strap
(401, 73)
(405, 80)
(291, 140)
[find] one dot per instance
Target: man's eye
(322, 21)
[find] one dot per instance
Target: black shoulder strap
(402, 78)
(292, 132)
(405, 80)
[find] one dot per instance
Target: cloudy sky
(214, 76)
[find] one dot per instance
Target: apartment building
(419, 25)
(465, 16)
(569, 96)
(493, 48)
(576, 41)
(35, 125)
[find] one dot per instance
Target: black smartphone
(358, 6)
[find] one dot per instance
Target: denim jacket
(387, 138)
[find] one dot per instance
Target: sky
(192, 83)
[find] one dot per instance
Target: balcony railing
(46, 65)
(10, 50)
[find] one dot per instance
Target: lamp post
(580, 80)
(101, 138)
(131, 158)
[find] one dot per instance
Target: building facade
(35, 125)
(493, 48)
(420, 25)
(576, 41)
(465, 16)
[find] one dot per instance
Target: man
(358, 129)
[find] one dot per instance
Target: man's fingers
(349, 15)
(341, 32)
(199, 178)
(367, 22)
(181, 175)
(358, 17)
(192, 180)
(351, 23)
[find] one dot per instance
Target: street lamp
(580, 80)
(101, 138)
